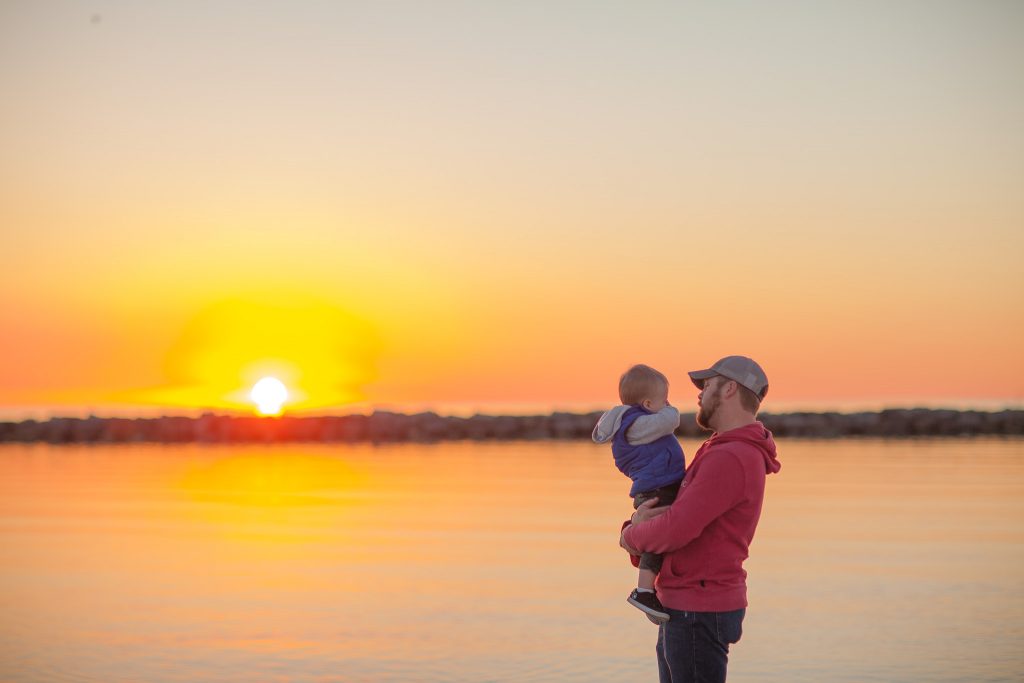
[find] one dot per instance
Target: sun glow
(323, 355)
(269, 394)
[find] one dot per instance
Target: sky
(484, 206)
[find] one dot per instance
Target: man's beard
(707, 410)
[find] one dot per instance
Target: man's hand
(625, 546)
(647, 511)
(643, 513)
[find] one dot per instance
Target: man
(705, 534)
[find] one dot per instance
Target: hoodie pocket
(674, 566)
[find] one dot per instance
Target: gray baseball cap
(739, 368)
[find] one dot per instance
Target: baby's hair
(640, 382)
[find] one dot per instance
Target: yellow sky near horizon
(476, 204)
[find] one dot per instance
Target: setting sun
(269, 395)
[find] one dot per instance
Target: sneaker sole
(652, 614)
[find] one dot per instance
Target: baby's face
(658, 401)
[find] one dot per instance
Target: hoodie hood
(608, 425)
(755, 434)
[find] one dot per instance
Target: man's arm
(649, 509)
(715, 488)
(648, 428)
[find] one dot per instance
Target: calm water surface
(874, 561)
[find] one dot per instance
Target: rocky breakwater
(897, 423)
(381, 427)
(378, 427)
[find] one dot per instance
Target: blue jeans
(693, 647)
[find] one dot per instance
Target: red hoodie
(706, 532)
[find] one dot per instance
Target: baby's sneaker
(648, 603)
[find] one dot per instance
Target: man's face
(708, 400)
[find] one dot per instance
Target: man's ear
(732, 386)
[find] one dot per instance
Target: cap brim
(698, 377)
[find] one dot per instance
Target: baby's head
(644, 386)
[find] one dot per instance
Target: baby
(641, 433)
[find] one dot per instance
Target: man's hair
(748, 399)
(640, 382)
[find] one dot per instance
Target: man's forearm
(716, 489)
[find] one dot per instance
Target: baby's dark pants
(665, 496)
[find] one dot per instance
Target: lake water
(874, 561)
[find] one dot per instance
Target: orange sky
(502, 207)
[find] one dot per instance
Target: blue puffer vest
(649, 465)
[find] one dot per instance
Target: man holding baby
(704, 535)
